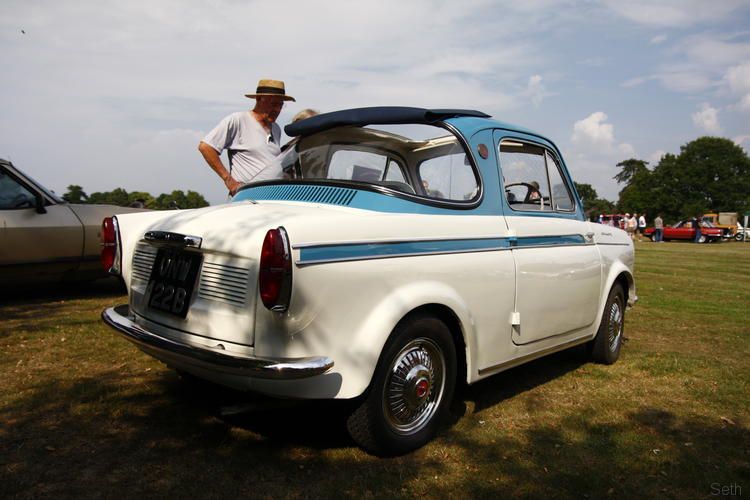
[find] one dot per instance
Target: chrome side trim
(120, 319)
(173, 238)
(391, 241)
(523, 359)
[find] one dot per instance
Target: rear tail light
(111, 246)
(275, 273)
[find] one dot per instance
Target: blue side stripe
(535, 241)
(364, 251)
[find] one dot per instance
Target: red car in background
(684, 230)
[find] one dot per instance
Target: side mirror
(40, 203)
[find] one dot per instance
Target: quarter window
(364, 166)
(449, 177)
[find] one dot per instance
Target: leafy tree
(629, 169)
(715, 174)
(140, 199)
(116, 197)
(75, 194)
(178, 199)
(636, 196)
(120, 197)
(592, 204)
(710, 173)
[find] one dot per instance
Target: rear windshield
(417, 160)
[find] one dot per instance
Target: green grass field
(83, 413)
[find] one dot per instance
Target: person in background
(630, 224)
(658, 229)
(641, 226)
(305, 114)
(534, 194)
(696, 221)
(251, 139)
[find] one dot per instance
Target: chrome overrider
(120, 319)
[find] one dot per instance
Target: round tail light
(275, 270)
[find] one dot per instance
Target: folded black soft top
(381, 115)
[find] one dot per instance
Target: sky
(109, 94)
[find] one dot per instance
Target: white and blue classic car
(405, 251)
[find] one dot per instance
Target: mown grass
(84, 414)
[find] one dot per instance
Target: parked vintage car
(408, 250)
(684, 230)
(45, 239)
(742, 233)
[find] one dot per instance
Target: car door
(35, 245)
(683, 231)
(558, 268)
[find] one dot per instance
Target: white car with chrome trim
(405, 250)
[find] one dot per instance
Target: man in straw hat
(251, 139)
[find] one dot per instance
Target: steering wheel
(527, 198)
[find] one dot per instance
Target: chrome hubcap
(614, 333)
(414, 387)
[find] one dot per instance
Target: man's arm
(214, 161)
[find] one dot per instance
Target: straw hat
(272, 88)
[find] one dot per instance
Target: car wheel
(605, 347)
(653, 237)
(738, 236)
(411, 390)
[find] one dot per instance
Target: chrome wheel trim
(614, 325)
(414, 386)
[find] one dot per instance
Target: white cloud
(738, 78)
(707, 119)
(658, 39)
(712, 51)
(594, 131)
(536, 90)
(673, 13)
(655, 157)
(626, 150)
(701, 63)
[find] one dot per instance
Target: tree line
(709, 174)
(120, 197)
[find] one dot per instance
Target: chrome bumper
(120, 319)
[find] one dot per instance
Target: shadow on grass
(27, 304)
(74, 290)
(132, 435)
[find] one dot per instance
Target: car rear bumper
(120, 319)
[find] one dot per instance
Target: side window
(13, 195)
(524, 176)
(533, 179)
(561, 197)
(449, 177)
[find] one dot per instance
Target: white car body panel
(513, 286)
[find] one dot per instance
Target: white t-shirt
(641, 222)
(252, 154)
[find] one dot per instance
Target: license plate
(172, 279)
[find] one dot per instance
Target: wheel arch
(446, 307)
(452, 321)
